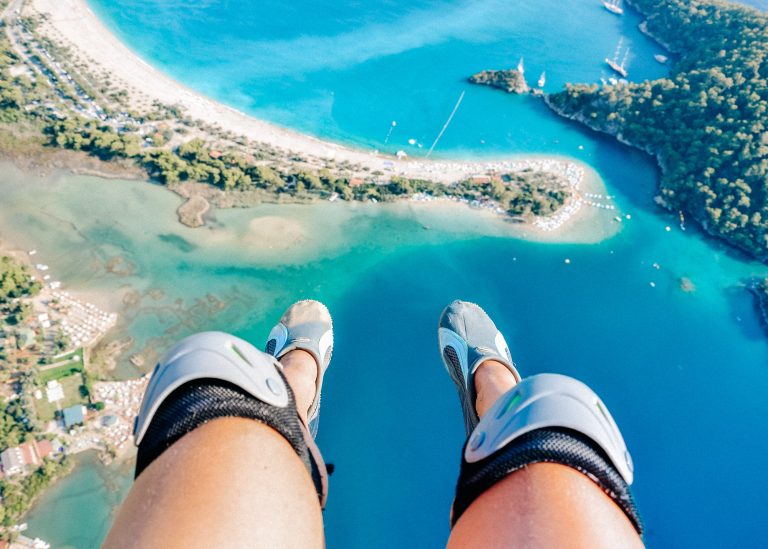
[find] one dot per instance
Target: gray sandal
(306, 325)
(468, 337)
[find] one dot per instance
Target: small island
(510, 80)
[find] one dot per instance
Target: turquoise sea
(683, 372)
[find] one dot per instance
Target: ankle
(300, 369)
(492, 379)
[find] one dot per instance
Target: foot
(477, 358)
(303, 343)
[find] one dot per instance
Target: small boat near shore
(613, 6)
(661, 58)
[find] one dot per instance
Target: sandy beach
(72, 23)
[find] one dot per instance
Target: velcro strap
(199, 401)
(550, 445)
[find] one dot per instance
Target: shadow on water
(178, 242)
(745, 311)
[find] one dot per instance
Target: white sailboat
(520, 67)
(542, 79)
(620, 68)
(613, 6)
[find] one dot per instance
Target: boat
(661, 58)
(542, 79)
(620, 68)
(682, 220)
(520, 67)
(613, 6)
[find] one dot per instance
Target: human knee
(214, 375)
(547, 418)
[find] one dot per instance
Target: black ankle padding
(562, 446)
(200, 401)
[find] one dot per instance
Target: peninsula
(69, 85)
(510, 80)
(707, 124)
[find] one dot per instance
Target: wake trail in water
(447, 122)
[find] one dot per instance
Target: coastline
(747, 237)
(758, 289)
(73, 24)
(268, 235)
(84, 325)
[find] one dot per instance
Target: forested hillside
(707, 123)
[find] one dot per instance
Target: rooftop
(12, 461)
(73, 415)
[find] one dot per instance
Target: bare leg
(492, 380)
(230, 483)
(301, 371)
(542, 505)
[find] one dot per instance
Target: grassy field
(64, 366)
(46, 411)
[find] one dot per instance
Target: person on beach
(226, 452)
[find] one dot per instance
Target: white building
(12, 461)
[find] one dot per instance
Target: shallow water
(77, 511)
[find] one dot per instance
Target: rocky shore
(511, 80)
(759, 289)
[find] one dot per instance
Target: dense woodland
(19, 494)
(707, 123)
(519, 193)
(15, 282)
(527, 193)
